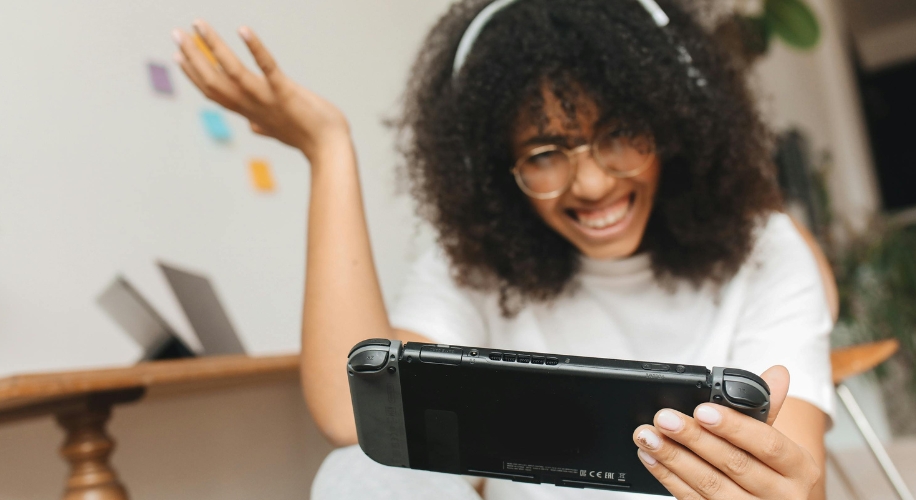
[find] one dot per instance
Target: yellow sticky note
(202, 46)
(261, 177)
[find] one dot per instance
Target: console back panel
(570, 424)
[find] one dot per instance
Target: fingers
(777, 378)
(745, 470)
(234, 70)
(704, 480)
(263, 58)
(205, 76)
(762, 441)
(257, 129)
(675, 485)
(188, 69)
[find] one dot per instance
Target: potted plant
(876, 276)
(749, 27)
(875, 273)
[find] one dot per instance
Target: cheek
(655, 172)
(546, 209)
(551, 212)
(647, 182)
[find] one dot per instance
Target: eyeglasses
(546, 172)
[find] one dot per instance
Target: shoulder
(432, 303)
(434, 269)
(431, 273)
(778, 232)
(780, 248)
(781, 268)
(783, 317)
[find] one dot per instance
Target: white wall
(816, 91)
(101, 176)
(884, 31)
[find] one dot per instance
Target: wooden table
(82, 402)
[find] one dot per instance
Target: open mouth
(604, 218)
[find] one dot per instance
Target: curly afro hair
(717, 180)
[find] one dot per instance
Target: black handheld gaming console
(524, 416)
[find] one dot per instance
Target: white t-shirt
(773, 311)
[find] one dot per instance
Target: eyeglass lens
(619, 154)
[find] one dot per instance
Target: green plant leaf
(793, 21)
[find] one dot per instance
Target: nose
(592, 182)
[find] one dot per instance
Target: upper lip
(598, 208)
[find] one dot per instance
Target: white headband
(484, 16)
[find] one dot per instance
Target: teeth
(608, 219)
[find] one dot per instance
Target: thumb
(777, 377)
(257, 129)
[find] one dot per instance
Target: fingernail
(177, 36)
(199, 26)
(646, 457)
(178, 57)
(245, 33)
(668, 420)
(648, 439)
(708, 415)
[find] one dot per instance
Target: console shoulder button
(744, 394)
(744, 373)
(378, 342)
(369, 360)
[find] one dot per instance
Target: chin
(616, 250)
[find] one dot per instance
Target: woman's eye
(618, 133)
(544, 160)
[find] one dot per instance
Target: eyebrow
(546, 139)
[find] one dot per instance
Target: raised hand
(722, 454)
(274, 105)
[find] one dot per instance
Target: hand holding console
(525, 416)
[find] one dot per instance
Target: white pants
(348, 474)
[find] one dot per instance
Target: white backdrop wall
(102, 176)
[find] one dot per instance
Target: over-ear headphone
(483, 17)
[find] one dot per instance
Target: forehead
(568, 112)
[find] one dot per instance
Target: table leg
(88, 446)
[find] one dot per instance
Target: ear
(777, 377)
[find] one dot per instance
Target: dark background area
(889, 97)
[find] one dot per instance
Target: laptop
(137, 317)
(204, 311)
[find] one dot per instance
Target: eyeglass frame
(573, 156)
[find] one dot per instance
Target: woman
(600, 183)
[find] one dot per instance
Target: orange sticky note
(206, 50)
(261, 177)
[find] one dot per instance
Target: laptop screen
(201, 305)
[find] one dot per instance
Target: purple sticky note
(159, 75)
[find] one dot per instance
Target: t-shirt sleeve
(785, 319)
(433, 305)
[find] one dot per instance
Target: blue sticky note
(216, 125)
